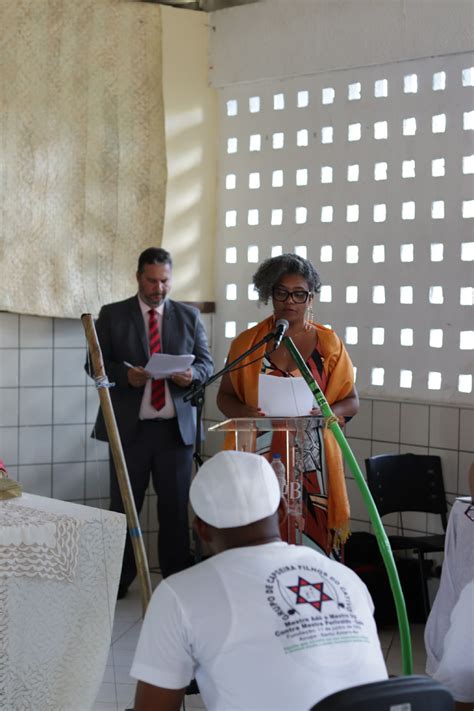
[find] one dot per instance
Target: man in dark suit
(156, 426)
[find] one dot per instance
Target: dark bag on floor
(362, 554)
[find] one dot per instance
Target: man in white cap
(261, 624)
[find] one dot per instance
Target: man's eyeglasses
(298, 296)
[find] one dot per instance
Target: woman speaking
(291, 282)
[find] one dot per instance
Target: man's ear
(282, 511)
(202, 529)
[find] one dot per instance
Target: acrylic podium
(285, 435)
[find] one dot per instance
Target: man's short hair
(154, 255)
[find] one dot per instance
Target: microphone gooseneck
(281, 328)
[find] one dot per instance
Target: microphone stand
(196, 394)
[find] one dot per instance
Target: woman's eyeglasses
(298, 296)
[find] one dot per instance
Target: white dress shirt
(147, 411)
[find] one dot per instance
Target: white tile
(214, 441)
(211, 411)
(9, 368)
(386, 421)
(384, 448)
(466, 431)
(123, 693)
(69, 443)
(13, 472)
(449, 465)
(129, 639)
(394, 659)
(69, 366)
(120, 627)
(36, 406)
(92, 400)
(35, 444)
(358, 508)
(96, 450)
(68, 481)
(97, 479)
(465, 461)
(9, 330)
(361, 449)
(36, 367)
(412, 449)
(8, 407)
(36, 479)
(414, 424)
(118, 675)
(434, 524)
(9, 445)
(444, 427)
(414, 521)
(207, 320)
(69, 333)
(36, 332)
(194, 701)
(361, 425)
(120, 657)
(69, 405)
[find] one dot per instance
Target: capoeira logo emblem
(308, 593)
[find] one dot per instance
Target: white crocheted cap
(234, 489)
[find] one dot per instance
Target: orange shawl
(340, 380)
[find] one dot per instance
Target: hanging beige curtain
(82, 151)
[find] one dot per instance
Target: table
(59, 572)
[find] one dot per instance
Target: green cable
(381, 536)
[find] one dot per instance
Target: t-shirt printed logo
(313, 609)
(309, 593)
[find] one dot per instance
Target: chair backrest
(407, 693)
(407, 482)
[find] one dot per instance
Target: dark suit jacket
(122, 337)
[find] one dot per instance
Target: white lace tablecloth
(59, 571)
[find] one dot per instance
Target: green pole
(381, 536)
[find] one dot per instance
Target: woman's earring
(308, 317)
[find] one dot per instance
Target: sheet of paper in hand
(162, 365)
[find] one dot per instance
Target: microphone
(281, 328)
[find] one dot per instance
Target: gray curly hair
(271, 270)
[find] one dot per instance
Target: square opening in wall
(381, 89)
(326, 174)
(438, 167)
(434, 380)
(351, 335)
(353, 173)
(465, 383)
(436, 337)
(439, 81)
(231, 255)
(406, 378)
(352, 254)
(328, 95)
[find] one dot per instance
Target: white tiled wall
(48, 407)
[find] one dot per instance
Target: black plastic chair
(410, 482)
(416, 693)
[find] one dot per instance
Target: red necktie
(157, 386)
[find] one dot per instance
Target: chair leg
(424, 584)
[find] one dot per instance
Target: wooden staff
(119, 460)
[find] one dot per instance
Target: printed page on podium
(284, 397)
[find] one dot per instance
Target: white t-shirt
(456, 667)
(449, 631)
(271, 627)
